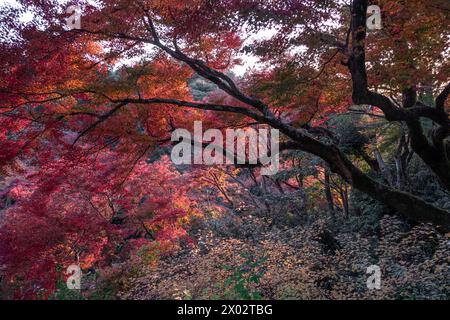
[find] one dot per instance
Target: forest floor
(309, 261)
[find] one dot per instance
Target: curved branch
(442, 97)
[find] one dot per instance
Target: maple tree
(83, 109)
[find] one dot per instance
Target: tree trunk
(382, 165)
(371, 162)
(435, 158)
(328, 193)
(344, 197)
(399, 173)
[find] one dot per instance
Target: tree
(66, 72)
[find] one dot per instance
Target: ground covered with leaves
(312, 261)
